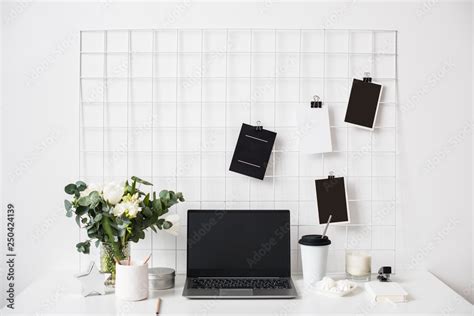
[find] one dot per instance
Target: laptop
(238, 254)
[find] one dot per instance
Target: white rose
(91, 188)
(173, 219)
(113, 192)
(130, 208)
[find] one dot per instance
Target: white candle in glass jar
(358, 263)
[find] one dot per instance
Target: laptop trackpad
(235, 292)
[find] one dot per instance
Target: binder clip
(259, 126)
(331, 175)
(316, 103)
(384, 274)
(367, 77)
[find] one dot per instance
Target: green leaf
(121, 232)
(81, 186)
(78, 220)
(84, 247)
(98, 218)
(81, 210)
(147, 212)
(167, 225)
(122, 224)
(97, 243)
(134, 186)
(70, 188)
(138, 180)
(94, 199)
(146, 200)
(157, 206)
(94, 195)
(127, 188)
(92, 230)
(180, 196)
(69, 213)
(84, 220)
(84, 201)
(159, 223)
(67, 205)
(165, 194)
(94, 204)
(114, 226)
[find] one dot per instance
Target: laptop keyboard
(240, 284)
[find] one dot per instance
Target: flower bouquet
(118, 213)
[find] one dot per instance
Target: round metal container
(161, 278)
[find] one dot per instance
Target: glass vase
(107, 260)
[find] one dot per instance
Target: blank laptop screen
(238, 243)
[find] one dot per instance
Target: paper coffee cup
(314, 257)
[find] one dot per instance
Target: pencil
(158, 302)
(146, 260)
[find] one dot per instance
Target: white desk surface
(60, 294)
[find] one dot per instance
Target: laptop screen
(240, 243)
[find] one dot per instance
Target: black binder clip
(384, 274)
(316, 103)
(259, 127)
(331, 175)
(367, 77)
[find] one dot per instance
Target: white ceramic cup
(314, 257)
(131, 282)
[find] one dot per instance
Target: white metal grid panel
(167, 105)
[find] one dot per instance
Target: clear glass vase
(107, 260)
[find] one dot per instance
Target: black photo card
(252, 151)
(332, 200)
(363, 103)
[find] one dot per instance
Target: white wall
(472, 105)
(40, 99)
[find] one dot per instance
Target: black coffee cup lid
(314, 240)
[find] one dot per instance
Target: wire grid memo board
(167, 105)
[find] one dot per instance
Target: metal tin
(161, 278)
